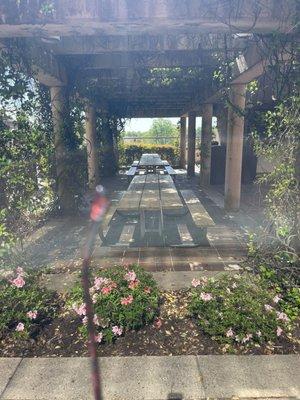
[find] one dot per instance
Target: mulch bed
(178, 335)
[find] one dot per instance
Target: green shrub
(124, 298)
(240, 309)
(24, 306)
(131, 152)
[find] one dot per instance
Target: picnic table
(151, 192)
(150, 162)
(157, 193)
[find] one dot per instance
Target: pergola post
(182, 142)
(110, 161)
(60, 117)
(91, 146)
(206, 137)
(222, 119)
(234, 150)
(191, 144)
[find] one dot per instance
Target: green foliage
(132, 286)
(16, 302)
(241, 309)
(131, 152)
(26, 148)
(280, 146)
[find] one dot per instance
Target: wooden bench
(170, 171)
(132, 197)
(199, 214)
(131, 173)
(109, 215)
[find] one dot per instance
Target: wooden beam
(97, 17)
(131, 59)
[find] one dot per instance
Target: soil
(177, 335)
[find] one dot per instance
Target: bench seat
(199, 214)
(170, 170)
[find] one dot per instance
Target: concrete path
(153, 378)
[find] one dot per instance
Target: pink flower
(279, 331)
(268, 307)
(127, 300)
(206, 296)
(20, 327)
(130, 276)
(133, 284)
(147, 290)
(158, 323)
(196, 282)
(277, 298)
(98, 282)
(106, 289)
(117, 330)
(230, 333)
(96, 320)
(18, 281)
(247, 338)
(20, 271)
(32, 314)
(81, 310)
(282, 316)
(99, 337)
(94, 298)
(85, 320)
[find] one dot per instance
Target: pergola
(114, 43)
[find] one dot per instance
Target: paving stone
(250, 376)
(123, 378)
(8, 367)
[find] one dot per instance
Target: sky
(143, 124)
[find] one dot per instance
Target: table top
(150, 160)
(150, 192)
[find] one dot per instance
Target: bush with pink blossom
(24, 306)
(239, 309)
(124, 298)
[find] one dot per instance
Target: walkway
(153, 378)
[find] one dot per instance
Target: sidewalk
(153, 378)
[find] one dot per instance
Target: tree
(163, 131)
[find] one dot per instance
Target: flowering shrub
(124, 298)
(24, 306)
(238, 309)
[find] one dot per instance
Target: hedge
(131, 152)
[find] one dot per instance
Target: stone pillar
(60, 116)
(92, 146)
(206, 137)
(191, 144)
(182, 142)
(234, 150)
